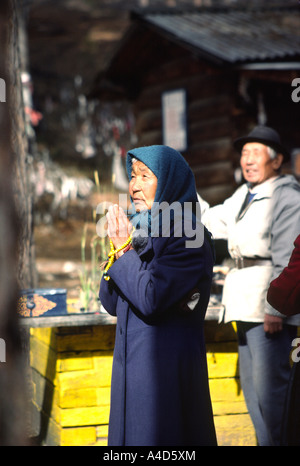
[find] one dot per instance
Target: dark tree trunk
(16, 245)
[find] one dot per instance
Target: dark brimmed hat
(264, 135)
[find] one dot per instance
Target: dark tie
(248, 199)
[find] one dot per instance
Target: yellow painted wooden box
(71, 371)
(232, 421)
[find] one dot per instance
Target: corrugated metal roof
(235, 36)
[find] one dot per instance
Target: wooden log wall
(209, 120)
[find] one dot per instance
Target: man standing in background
(260, 221)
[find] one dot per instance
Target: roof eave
(276, 66)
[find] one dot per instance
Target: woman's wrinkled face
(142, 186)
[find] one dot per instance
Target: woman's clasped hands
(119, 227)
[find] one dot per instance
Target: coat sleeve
(108, 297)
(216, 218)
(284, 291)
(172, 273)
(213, 218)
(285, 228)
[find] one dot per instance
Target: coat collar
(261, 191)
(264, 189)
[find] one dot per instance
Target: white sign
(174, 119)
(2, 90)
(2, 350)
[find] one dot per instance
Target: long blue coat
(159, 388)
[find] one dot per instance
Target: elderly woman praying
(157, 282)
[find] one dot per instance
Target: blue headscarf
(175, 180)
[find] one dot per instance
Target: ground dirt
(58, 254)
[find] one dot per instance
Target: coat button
(121, 331)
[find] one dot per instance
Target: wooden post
(16, 264)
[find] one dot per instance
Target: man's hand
(272, 324)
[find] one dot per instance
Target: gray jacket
(266, 228)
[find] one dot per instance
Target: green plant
(90, 276)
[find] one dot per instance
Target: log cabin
(211, 74)
(198, 78)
